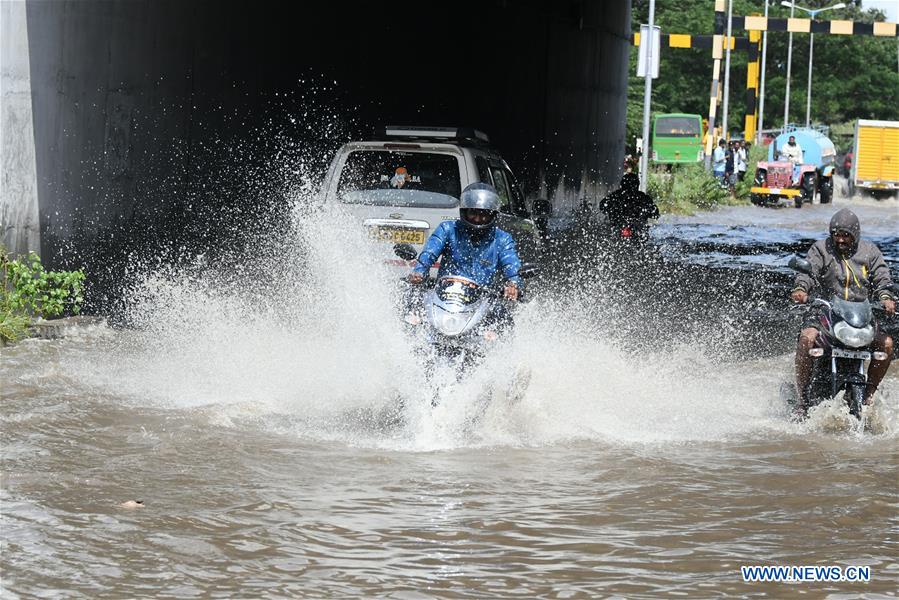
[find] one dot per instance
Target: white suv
(405, 185)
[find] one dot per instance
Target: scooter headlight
(852, 336)
(450, 324)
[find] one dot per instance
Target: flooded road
(283, 443)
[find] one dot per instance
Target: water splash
(315, 349)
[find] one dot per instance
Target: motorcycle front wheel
(855, 397)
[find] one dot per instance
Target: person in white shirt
(740, 159)
(791, 151)
(719, 160)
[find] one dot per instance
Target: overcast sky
(890, 7)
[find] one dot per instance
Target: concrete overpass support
(18, 196)
(587, 98)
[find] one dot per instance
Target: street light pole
(789, 68)
(808, 97)
(758, 133)
(724, 129)
(647, 97)
(812, 13)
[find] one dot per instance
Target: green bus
(677, 138)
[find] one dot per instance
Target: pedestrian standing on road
(719, 158)
(741, 157)
(729, 166)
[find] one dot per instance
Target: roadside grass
(686, 189)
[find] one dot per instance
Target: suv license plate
(838, 353)
(398, 236)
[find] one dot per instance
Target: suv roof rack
(456, 134)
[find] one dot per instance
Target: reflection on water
(747, 236)
(283, 444)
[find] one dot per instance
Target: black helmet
(630, 181)
(476, 197)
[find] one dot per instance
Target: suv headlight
(849, 335)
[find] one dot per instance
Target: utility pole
(789, 66)
(727, 42)
(647, 96)
(758, 132)
(808, 96)
(717, 47)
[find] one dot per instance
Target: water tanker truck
(778, 178)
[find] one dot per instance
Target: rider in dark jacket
(853, 269)
(628, 206)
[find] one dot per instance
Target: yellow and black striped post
(687, 40)
(811, 26)
(755, 25)
(753, 74)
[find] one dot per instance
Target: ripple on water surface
(292, 450)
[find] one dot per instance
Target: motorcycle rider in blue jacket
(473, 246)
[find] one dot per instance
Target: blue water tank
(817, 149)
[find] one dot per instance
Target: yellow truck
(875, 158)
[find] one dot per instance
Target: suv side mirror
(801, 265)
(405, 251)
(528, 270)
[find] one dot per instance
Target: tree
(854, 76)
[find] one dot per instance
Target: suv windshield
(390, 178)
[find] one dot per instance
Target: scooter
(459, 318)
(842, 348)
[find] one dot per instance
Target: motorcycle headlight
(448, 323)
(854, 337)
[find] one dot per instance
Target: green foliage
(13, 323)
(686, 189)
(29, 290)
(853, 76)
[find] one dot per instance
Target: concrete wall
(162, 123)
(111, 86)
(586, 91)
(18, 182)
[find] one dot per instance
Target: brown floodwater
(289, 452)
(560, 495)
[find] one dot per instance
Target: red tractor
(776, 179)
